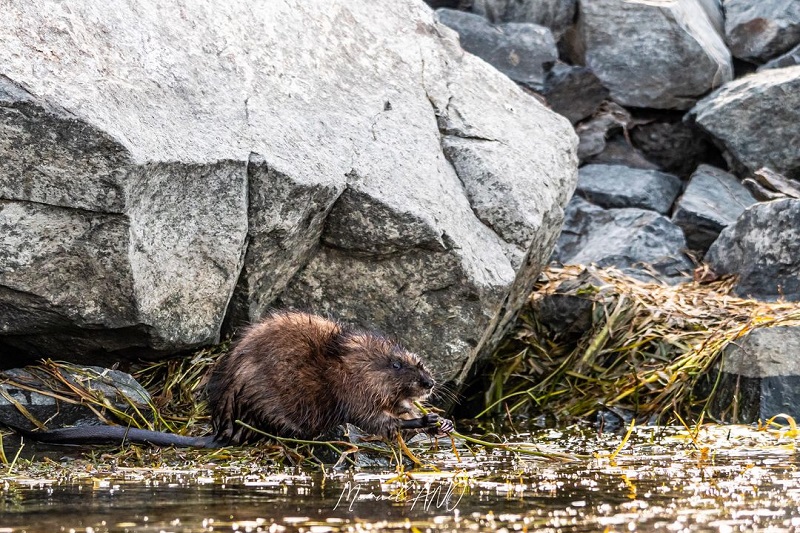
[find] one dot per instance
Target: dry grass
(650, 349)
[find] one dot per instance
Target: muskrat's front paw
(431, 420)
(446, 427)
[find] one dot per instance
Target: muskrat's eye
(396, 365)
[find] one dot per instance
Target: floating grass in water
(647, 348)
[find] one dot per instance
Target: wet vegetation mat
(596, 341)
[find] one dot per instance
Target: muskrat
(297, 375)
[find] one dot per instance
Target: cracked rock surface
(171, 171)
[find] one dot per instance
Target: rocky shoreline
(688, 114)
(188, 175)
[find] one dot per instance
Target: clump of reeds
(647, 348)
(176, 386)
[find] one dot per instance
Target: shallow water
(730, 478)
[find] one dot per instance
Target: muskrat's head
(398, 374)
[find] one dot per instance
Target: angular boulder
(152, 190)
(763, 250)
(573, 91)
(789, 59)
(672, 144)
(757, 30)
(636, 47)
(756, 120)
(712, 201)
(612, 186)
(639, 242)
(518, 50)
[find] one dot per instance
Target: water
(726, 479)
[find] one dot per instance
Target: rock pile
(664, 127)
(688, 114)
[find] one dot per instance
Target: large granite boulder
(518, 50)
(763, 249)
(163, 169)
(756, 120)
(640, 242)
(757, 30)
(636, 49)
(712, 201)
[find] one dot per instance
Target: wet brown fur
(300, 375)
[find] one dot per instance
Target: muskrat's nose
(426, 382)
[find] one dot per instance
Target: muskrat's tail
(117, 435)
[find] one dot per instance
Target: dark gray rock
(712, 201)
(63, 270)
(617, 150)
(757, 30)
(606, 132)
(673, 145)
(518, 50)
(789, 59)
(760, 376)
(763, 249)
(554, 14)
(84, 162)
(51, 407)
(161, 206)
(573, 91)
(618, 186)
(641, 243)
(568, 311)
(636, 48)
(756, 119)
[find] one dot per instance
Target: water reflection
(726, 479)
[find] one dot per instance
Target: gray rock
(713, 9)
(518, 50)
(63, 267)
(187, 232)
(756, 119)
(610, 121)
(757, 30)
(673, 145)
(573, 91)
(641, 243)
(712, 201)
(558, 15)
(763, 249)
(57, 405)
(760, 376)
(253, 166)
(635, 48)
(617, 150)
(789, 59)
(84, 170)
(285, 223)
(612, 186)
